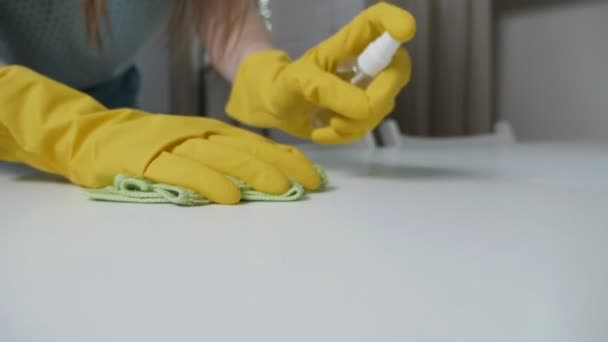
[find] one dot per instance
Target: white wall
(554, 72)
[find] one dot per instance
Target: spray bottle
(361, 71)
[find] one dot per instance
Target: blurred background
(538, 66)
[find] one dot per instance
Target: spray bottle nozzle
(378, 55)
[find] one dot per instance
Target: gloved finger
(326, 90)
(347, 126)
(261, 175)
(382, 93)
(329, 136)
(353, 38)
(385, 87)
(291, 162)
(190, 174)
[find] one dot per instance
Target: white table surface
(419, 244)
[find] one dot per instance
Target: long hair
(185, 17)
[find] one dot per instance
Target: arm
(54, 128)
(272, 90)
(229, 43)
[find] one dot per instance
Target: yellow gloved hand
(270, 90)
(59, 130)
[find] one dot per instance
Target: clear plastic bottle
(361, 71)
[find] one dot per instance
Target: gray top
(49, 37)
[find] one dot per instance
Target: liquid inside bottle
(360, 72)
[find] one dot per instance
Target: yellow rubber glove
(59, 130)
(270, 90)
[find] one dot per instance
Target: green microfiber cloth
(131, 189)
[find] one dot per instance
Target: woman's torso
(49, 36)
